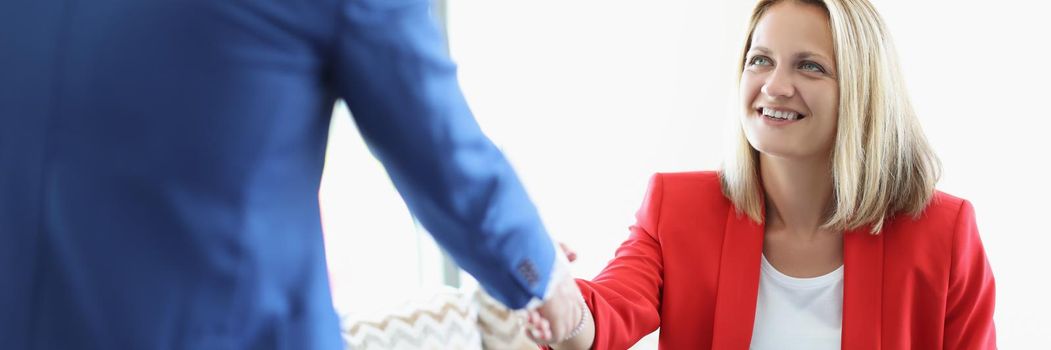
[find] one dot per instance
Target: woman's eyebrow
(803, 54)
(811, 54)
(799, 56)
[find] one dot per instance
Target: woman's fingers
(571, 255)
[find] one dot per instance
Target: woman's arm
(972, 290)
(624, 299)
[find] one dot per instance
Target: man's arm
(392, 69)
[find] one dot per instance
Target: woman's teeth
(783, 115)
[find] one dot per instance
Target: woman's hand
(571, 255)
(565, 319)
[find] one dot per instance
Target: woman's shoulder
(707, 180)
(944, 209)
(690, 190)
(939, 220)
(942, 201)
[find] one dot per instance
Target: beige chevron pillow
(500, 327)
(446, 320)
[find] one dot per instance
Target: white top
(798, 313)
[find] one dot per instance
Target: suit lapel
(862, 289)
(738, 282)
(739, 286)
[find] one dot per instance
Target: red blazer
(691, 267)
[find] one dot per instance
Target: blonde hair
(881, 162)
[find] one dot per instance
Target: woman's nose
(778, 85)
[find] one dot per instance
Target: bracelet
(585, 315)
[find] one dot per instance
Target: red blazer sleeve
(625, 297)
(969, 304)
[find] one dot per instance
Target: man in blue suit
(161, 161)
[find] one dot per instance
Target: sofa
(448, 319)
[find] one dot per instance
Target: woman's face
(788, 87)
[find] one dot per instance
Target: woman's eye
(759, 61)
(811, 67)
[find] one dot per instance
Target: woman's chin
(784, 150)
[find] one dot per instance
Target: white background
(588, 98)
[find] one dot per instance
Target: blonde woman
(823, 230)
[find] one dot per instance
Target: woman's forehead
(792, 28)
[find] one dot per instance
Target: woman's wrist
(573, 339)
(584, 315)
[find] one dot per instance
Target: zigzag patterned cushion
(501, 328)
(446, 320)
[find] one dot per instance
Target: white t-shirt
(798, 313)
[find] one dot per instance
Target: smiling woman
(795, 71)
(788, 76)
(822, 231)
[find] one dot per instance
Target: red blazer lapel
(738, 282)
(739, 286)
(862, 290)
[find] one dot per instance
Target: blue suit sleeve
(393, 71)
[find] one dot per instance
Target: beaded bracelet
(586, 314)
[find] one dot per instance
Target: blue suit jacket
(160, 163)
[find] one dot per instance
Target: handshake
(563, 321)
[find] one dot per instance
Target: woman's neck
(798, 193)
